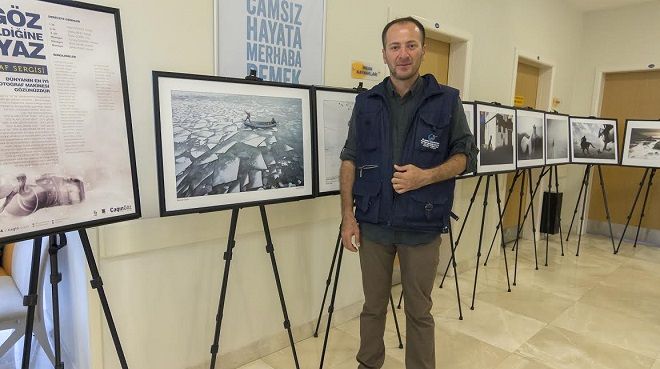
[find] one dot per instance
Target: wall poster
(66, 146)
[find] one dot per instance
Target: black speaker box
(551, 212)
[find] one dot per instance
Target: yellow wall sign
(519, 100)
(362, 70)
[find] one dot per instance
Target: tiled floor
(595, 311)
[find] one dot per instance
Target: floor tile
(493, 325)
(515, 361)
(341, 347)
(562, 349)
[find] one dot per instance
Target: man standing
(408, 139)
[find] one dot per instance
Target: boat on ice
(259, 123)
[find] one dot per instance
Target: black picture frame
(322, 159)
(471, 120)
(530, 163)
(238, 89)
(567, 160)
(485, 169)
(136, 212)
(594, 122)
(630, 124)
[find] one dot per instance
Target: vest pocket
(424, 210)
(367, 200)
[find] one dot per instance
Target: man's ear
(384, 59)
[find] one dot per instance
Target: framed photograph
(593, 141)
(468, 108)
(557, 139)
(67, 159)
(641, 144)
(333, 112)
(495, 134)
(530, 138)
(223, 143)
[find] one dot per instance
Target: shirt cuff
(470, 150)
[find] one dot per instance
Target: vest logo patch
(430, 142)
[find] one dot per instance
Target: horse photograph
(529, 138)
(641, 145)
(594, 141)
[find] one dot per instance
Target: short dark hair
(404, 20)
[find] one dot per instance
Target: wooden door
(527, 84)
(630, 95)
(436, 60)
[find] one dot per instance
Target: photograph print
(468, 108)
(530, 138)
(226, 142)
(333, 112)
(557, 139)
(593, 141)
(495, 135)
(641, 145)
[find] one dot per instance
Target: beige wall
(163, 276)
(612, 40)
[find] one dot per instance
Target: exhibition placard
(283, 41)
(66, 148)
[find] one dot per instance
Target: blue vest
(426, 146)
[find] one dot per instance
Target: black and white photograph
(468, 108)
(641, 145)
(225, 142)
(593, 141)
(496, 136)
(530, 138)
(557, 139)
(333, 112)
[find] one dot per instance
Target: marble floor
(595, 311)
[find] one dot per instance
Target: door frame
(599, 82)
(546, 77)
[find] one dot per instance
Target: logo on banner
(430, 142)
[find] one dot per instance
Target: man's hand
(350, 229)
(408, 178)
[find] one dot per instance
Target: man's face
(403, 50)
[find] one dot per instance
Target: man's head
(403, 47)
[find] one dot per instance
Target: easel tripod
(632, 209)
(583, 192)
(56, 243)
(227, 256)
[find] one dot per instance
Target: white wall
(163, 276)
(622, 39)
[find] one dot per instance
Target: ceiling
(591, 5)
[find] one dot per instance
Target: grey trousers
(419, 265)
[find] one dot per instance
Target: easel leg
(223, 291)
(270, 249)
(632, 209)
(327, 281)
(331, 307)
(577, 203)
(607, 208)
(501, 214)
(531, 204)
(499, 224)
(585, 186)
(641, 215)
(55, 279)
(396, 322)
(561, 236)
(97, 284)
(518, 227)
(30, 300)
(453, 258)
(460, 233)
(481, 236)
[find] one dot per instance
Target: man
(408, 139)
